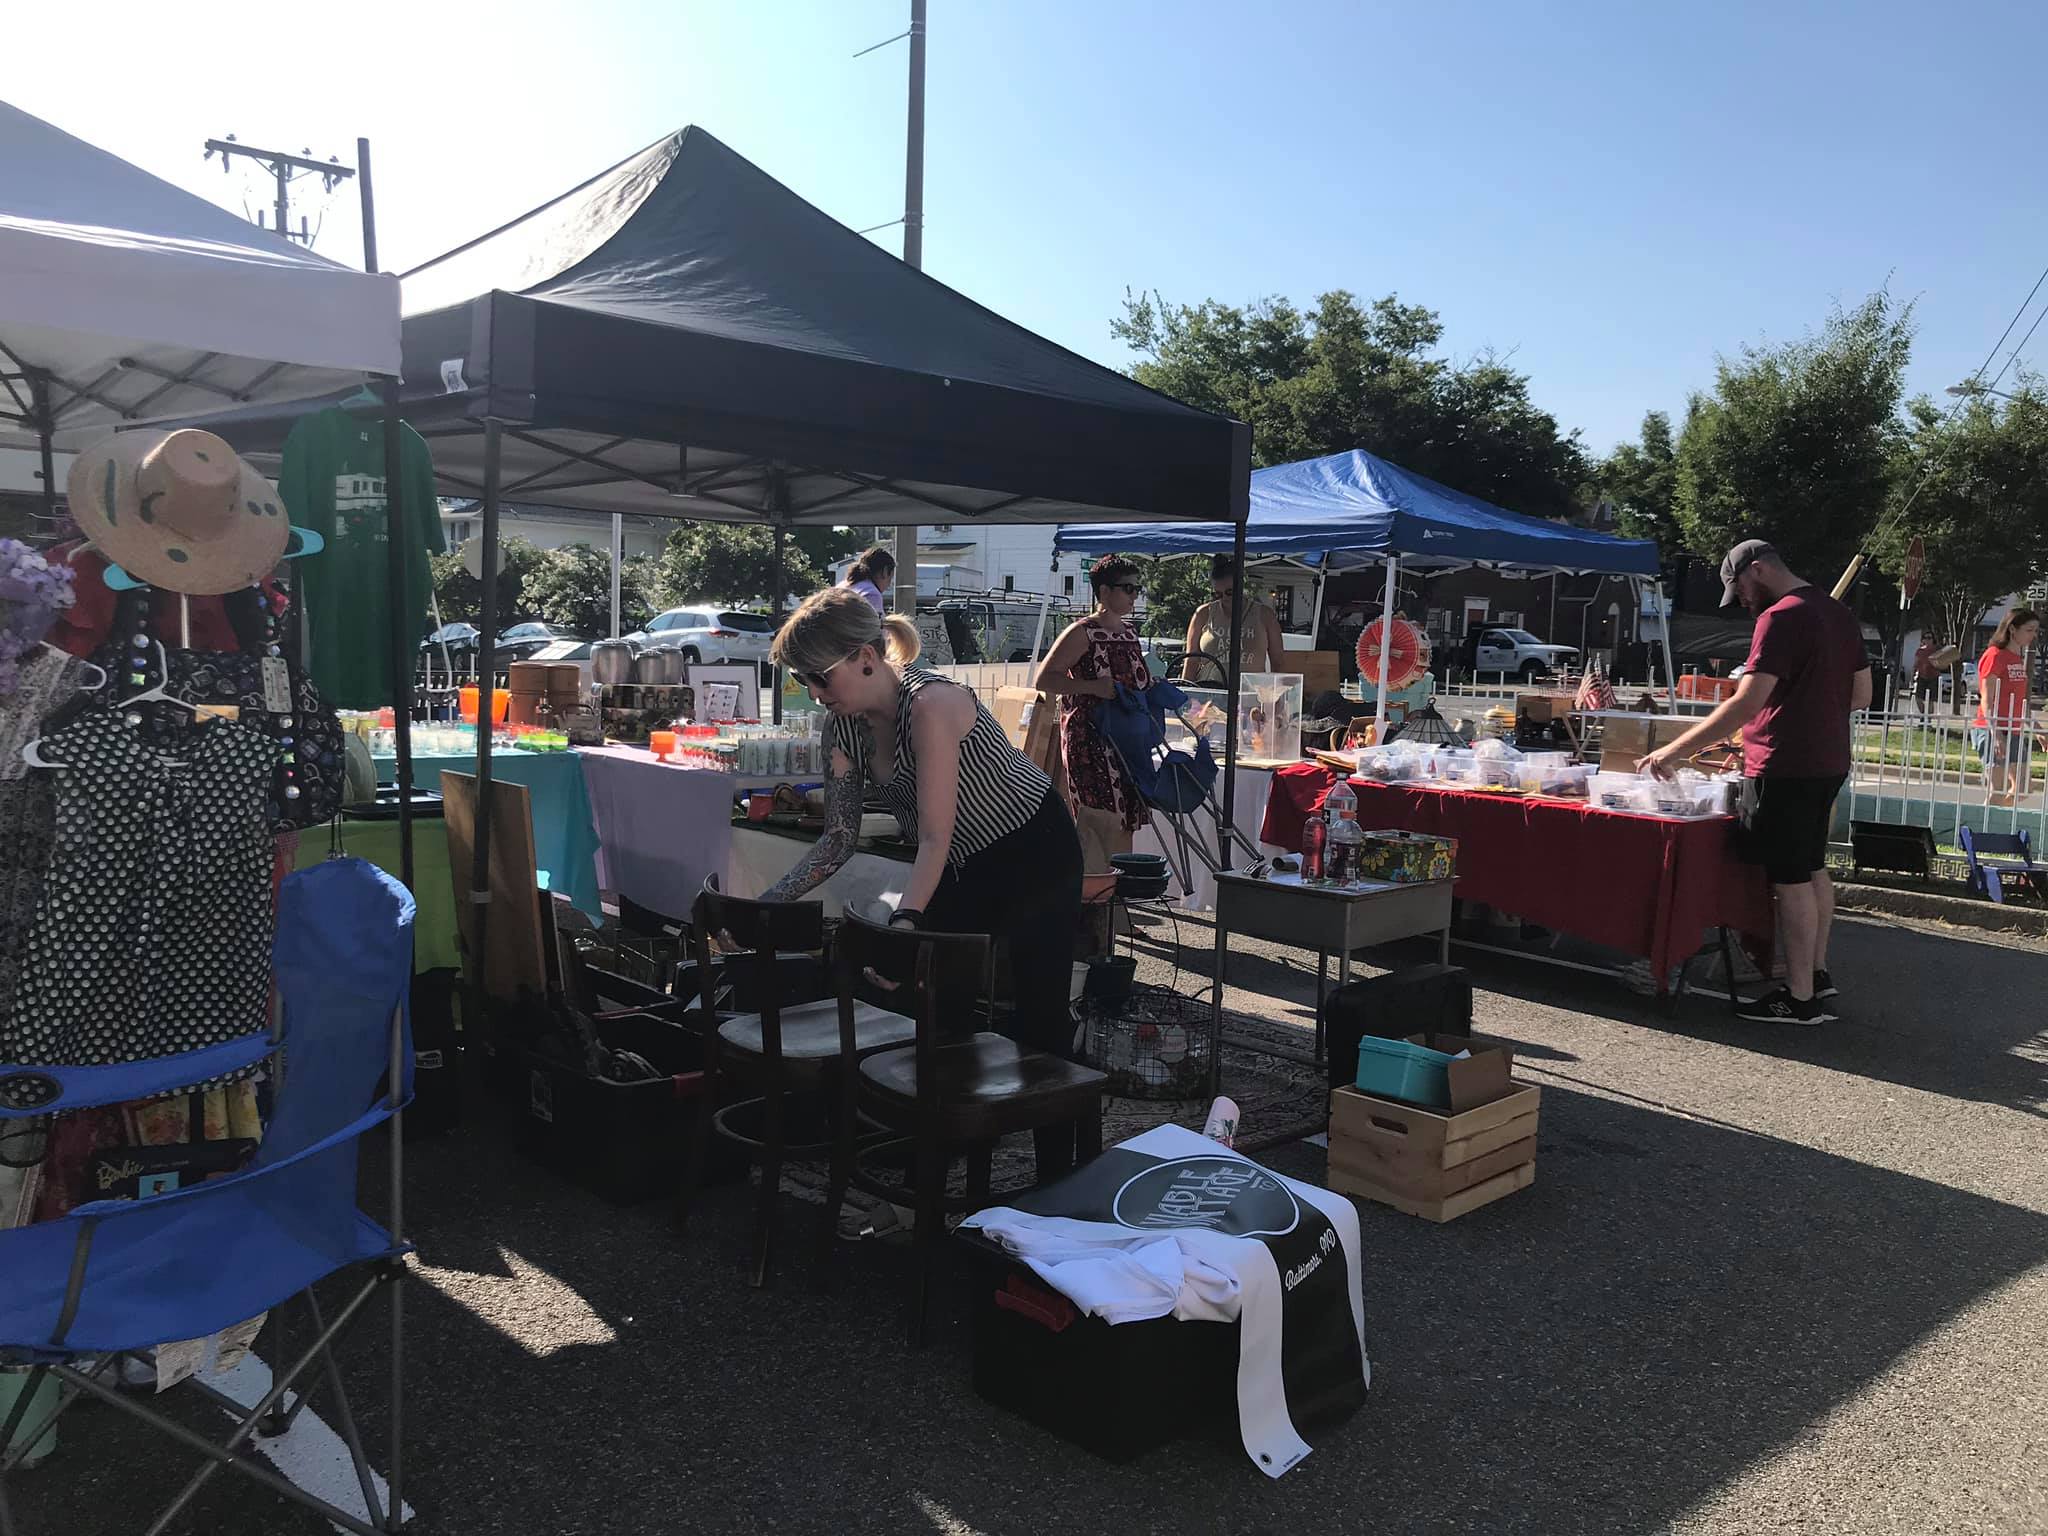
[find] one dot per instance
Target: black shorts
(1785, 825)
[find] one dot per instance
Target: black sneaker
(1824, 988)
(1781, 1007)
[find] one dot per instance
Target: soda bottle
(1314, 834)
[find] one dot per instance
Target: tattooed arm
(835, 844)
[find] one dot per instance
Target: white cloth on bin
(1177, 1240)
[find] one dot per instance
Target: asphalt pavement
(1766, 1281)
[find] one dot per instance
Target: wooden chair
(958, 1087)
(785, 1051)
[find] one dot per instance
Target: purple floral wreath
(32, 593)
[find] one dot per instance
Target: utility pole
(285, 169)
(913, 253)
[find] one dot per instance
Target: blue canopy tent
(1351, 509)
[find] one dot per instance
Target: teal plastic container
(1414, 1074)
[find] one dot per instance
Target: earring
(867, 671)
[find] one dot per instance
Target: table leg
(1728, 970)
(1443, 947)
(1322, 992)
(1216, 1012)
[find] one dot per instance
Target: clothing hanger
(31, 752)
(303, 542)
(93, 666)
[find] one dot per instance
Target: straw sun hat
(179, 510)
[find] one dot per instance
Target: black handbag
(307, 788)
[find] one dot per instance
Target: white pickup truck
(1518, 651)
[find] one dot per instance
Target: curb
(1961, 911)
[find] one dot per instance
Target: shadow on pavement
(1673, 1301)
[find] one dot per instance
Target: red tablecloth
(1640, 884)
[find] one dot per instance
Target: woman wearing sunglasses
(1098, 651)
(996, 850)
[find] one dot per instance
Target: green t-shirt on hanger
(332, 481)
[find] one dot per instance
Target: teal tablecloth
(564, 836)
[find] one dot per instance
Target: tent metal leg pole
(776, 585)
(46, 428)
(618, 571)
(1315, 617)
(1664, 633)
(1044, 610)
(487, 682)
(403, 642)
(394, 1486)
(1240, 597)
(1379, 711)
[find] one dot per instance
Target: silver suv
(708, 634)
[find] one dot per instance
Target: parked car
(521, 641)
(460, 640)
(708, 634)
(1518, 651)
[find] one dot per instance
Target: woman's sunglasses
(817, 682)
(1135, 589)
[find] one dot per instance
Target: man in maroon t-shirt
(1807, 672)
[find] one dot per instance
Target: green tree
(1346, 375)
(729, 563)
(461, 595)
(1981, 476)
(1798, 443)
(1174, 588)
(572, 587)
(1641, 479)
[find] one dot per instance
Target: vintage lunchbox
(1407, 857)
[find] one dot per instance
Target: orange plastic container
(501, 704)
(661, 743)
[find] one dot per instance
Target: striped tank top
(1000, 788)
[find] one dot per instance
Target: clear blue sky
(1611, 193)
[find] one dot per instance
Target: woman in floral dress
(1098, 651)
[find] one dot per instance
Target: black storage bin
(437, 1054)
(1118, 1391)
(1424, 999)
(625, 1141)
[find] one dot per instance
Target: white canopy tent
(124, 299)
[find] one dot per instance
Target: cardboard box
(1542, 708)
(1320, 671)
(1407, 857)
(1434, 1165)
(1032, 722)
(1626, 740)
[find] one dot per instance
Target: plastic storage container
(1414, 1074)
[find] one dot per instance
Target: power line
(284, 169)
(1974, 386)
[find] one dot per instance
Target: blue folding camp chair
(118, 1277)
(1172, 782)
(2000, 861)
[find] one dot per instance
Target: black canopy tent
(685, 337)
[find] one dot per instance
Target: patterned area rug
(1275, 1097)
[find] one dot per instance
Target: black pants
(1024, 891)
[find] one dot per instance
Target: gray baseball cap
(1740, 559)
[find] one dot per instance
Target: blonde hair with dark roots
(830, 626)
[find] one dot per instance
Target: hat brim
(105, 504)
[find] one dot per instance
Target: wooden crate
(1432, 1165)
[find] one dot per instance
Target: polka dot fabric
(153, 936)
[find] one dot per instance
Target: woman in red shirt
(1999, 732)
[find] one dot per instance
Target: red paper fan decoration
(1407, 660)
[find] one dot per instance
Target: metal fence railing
(1933, 770)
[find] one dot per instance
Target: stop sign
(1916, 563)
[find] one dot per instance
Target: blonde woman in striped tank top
(996, 848)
